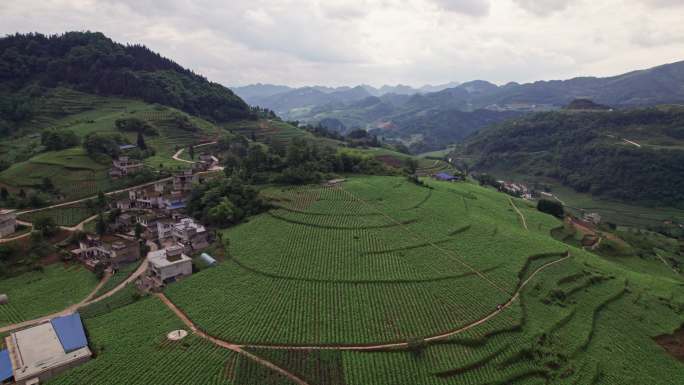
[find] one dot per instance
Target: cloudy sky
(346, 42)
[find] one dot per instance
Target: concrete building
(124, 166)
(109, 250)
(39, 353)
(192, 235)
(168, 265)
(183, 181)
(8, 222)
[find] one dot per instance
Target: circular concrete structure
(177, 335)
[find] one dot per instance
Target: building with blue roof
(38, 353)
(443, 176)
(70, 332)
(6, 372)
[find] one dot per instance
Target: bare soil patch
(673, 343)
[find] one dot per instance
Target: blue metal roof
(177, 205)
(70, 331)
(444, 176)
(5, 366)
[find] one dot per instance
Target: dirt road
(85, 302)
(522, 217)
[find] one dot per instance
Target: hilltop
(33, 64)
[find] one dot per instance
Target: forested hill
(91, 62)
(632, 155)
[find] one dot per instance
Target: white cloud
(336, 42)
(544, 7)
(468, 7)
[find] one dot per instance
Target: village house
(594, 218)
(184, 181)
(205, 162)
(124, 166)
(165, 228)
(110, 250)
(515, 189)
(8, 222)
(168, 265)
(36, 354)
(192, 235)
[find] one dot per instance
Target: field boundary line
(360, 347)
(522, 217)
(225, 344)
(431, 243)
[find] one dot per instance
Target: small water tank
(207, 259)
(3, 299)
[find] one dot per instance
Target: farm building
(39, 353)
(208, 259)
(124, 166)
(110, 250)
(168, 265)
(8, 222)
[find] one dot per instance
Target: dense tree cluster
(58, 140)
(586, 151)
(554, 208)
(97, 144)
(224, 201)
(93, 63)
(300, 162)
(135, 125)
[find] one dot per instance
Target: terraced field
(40, 293)
(379, 260)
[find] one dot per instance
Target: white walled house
(168, 265)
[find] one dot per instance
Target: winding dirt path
(522, 217)
(90, 299)
(370, 347)
(227, 345)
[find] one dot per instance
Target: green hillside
(72, 171)
(635, 155)
(380, 261)
(90, 62)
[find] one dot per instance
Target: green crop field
(63, 216)
(132, 348)
(380, 260)
(40, 293)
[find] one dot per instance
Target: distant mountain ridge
(430, 120)
(270, 95)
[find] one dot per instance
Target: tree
(101, 225)
(22, 193)
(45, 225)
(4, 194)
(411, 165)
(46, 184)
(101, 200)
(138, 230)
(191, 151)
(554, 208)
(141, 141)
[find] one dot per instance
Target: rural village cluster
(151, 219)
